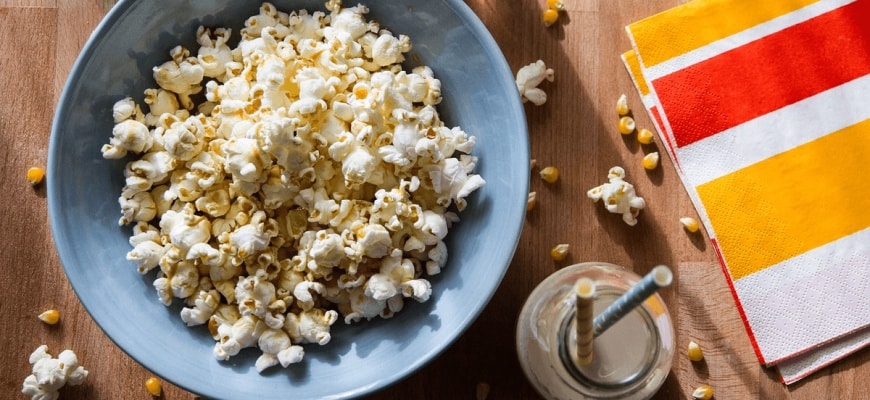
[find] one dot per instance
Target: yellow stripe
(633, 65)
(790, 203)
(687, 27)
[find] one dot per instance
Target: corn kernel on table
(575, 130)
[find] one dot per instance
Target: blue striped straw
(659, 277)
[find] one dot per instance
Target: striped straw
(584, 292)
(659, 277)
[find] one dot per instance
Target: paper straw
(659, 277)
(584, 292)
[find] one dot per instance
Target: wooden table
(575, 131)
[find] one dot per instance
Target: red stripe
(660, 126)
(767, 74)
(737, 302)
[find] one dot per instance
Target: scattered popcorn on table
(650, 161)
(35, 175)
(550, 174)
(316, 182)
(559, 252)
(690, 224)
(529, 77)
(619, 196)
(153, 386)
(51, 374)
(50, 317)
(532, 201)
(622, 105)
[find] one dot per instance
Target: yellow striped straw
(584, 291)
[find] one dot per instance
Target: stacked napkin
(764, 107)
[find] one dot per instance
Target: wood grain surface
(575, 131)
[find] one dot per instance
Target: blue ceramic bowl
(479, 95)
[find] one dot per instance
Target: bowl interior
(479, 96)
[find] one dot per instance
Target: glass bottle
(630, 360)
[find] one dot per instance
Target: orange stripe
(633, 66)
(695, 24)
(793, 202)
(767, 74)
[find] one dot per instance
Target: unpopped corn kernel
(559, 252)
(690, 224)
(694, 352)
(35, 175)
(622, 105)
(50, 317)
(532, 201)
(550, 17)
(645, 136)
(153, 386)
(557, 5)
(550, 174)
(650, 161)
(703, 392)
(625, 125)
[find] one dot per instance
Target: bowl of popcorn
(264, 200)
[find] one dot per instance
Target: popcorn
(204, 306)
(619, 196)
(277, 348)
(529, 77)
(51, 374)
(127, 135)
(310, 326)
(315, 180)
(182, 76)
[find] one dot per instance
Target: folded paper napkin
(764, 107)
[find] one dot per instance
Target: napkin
(764, 107)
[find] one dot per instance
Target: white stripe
(776, 132)
(799, 367)
(739, 39)
(813, 298)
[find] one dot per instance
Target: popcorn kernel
(625, 125)
(50, 317)
(559, 252)
(550, 17)
(694, 352)
(532, 201)
(622, 105)
(550, 174)
(645, 136)
(690, 224)
(557, 5)
(153, 386)
(650, 161)
(703, 392)
(35, 175)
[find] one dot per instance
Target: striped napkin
(764, 107)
